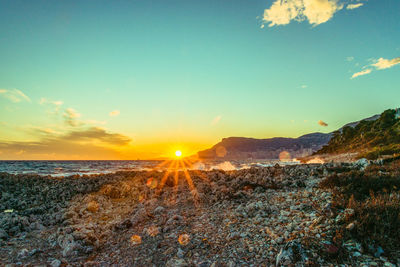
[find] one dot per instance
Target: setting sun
(178, 153)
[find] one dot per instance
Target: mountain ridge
(241, 148)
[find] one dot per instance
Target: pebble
(55, 263)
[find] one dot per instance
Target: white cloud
(216, 120)
(360, 73)
(282, 12)
(14, 95)
(382, 63)
(349, 59)
(320, 11)
(114, 113)
(379, 64)
(354, 6)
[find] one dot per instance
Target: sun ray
(165, 177)
(201, 175)
(162, 164)
(190, 183)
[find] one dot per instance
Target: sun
(178, 153)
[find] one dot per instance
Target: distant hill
(372, 138)
(241, 148)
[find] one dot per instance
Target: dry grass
(374, 195)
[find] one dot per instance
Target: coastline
(258, 216)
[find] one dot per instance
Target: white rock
(55, 263)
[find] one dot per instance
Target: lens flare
(136, 240)
(184, 239)
(151, 183)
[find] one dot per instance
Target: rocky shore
(272, 216)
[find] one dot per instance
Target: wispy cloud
(304, 86)
(354, 6)
(361, 73)
(216, 120)
(98, 134)
(89, 142)
(322, 123)
(14, 95)
(316, 12)
(114, 113)
(349, 59)
(57, 104)
(71, 116)
(379, 64)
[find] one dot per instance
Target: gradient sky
(140, 79)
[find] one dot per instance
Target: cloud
(304, 86)
(322, 123)
(114, 113)
(70, 117)
(57, 104)
(98, 134)
(216, 120)
(382, 63)
(379, 64)
(354, 6)
(316, 12)
(86, 143)
(349, 59)
(360, 73)
(14, 95)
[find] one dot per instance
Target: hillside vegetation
(372, 139)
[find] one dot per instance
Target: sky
(141, 79)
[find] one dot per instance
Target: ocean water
(89, 167)
(74, 167)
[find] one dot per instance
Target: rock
(292, 253)
(350, 226)
(3, 234)
(176, 263)
(180, 253)
(69, 250)
(123, 225)
(23, 253)
(362, 163)
(378, 252)
(68, 245)
(330, 248)
(55, 263)
(159, 210)
(36, 226)
(348, 212)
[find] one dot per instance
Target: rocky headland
(301, 215)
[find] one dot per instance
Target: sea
(58, 168)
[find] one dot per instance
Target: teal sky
(184, 74)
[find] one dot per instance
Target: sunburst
(173, 167)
